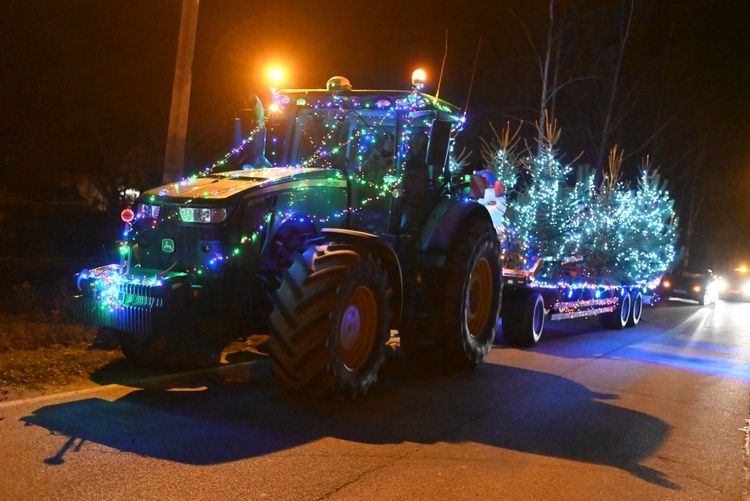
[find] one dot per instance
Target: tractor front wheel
(330, 322)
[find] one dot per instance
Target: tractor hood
(243, 182)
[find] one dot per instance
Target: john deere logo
(167, 245)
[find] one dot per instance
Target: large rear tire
(523, 320)
(465, 305)
(330, 322)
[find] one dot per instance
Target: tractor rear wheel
(465, 305)
(330, 322)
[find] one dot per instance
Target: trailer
(548, 290)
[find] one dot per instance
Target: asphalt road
(658, 411)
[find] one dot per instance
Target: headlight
(697, 288)
(148, 211)
(746, 288)
(197, 215)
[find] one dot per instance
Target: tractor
(337, 221)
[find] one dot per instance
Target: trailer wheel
(523, 320)
(330, 322)
(618, 319)
(636, 308)
(465, 306)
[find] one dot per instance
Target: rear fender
(443, 225)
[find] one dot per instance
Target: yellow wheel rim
(358, 328)
(479, 297)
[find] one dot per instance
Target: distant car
(736, 285)
(696, 284)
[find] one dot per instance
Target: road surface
(658, 411)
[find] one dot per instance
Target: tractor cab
(391, 145)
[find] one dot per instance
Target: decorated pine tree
(540, 214)
(623, 234)
(583, 224)
(603, 239)
(649, 229)
(500, 155)
(618, 233)
(502, 161)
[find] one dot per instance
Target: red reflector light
(127, 215)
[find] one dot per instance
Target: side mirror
(439, 144)
(246, 121)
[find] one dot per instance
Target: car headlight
(746, 288)
(201, 215)
(697, 288)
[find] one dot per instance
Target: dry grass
(17, 332)
(39, 347)
(53, 366)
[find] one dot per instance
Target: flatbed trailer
(527, 304)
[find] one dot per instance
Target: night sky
(86, 85)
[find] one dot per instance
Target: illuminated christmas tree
(583, 233)
(625, 234)
(542, 209)
(500, 155)
(596, 234)
(650, 228)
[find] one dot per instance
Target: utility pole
(178, 115)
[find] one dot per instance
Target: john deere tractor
(332, 223)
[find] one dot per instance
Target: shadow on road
(205, 421)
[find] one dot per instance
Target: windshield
(334, 138)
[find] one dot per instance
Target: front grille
(138, 295)
(108, 299)
(138, 319)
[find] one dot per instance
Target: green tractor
(333, 222)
